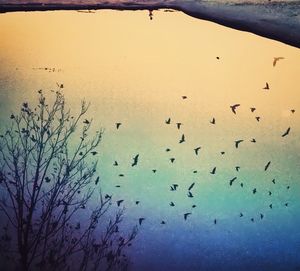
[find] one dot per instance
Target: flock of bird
(174, 187)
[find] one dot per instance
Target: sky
(135, 71)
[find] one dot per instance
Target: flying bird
(222, 152)
(135, 160)
(137, 202)
(258, 119)
(172, 204)
(172, 160)
(167, 150)
(237, 142)
(213, 121)
(118, 124)
(86, 121)
(254, 191)
(271, 206)
(173, 187)
(276, 59)
(182, 139)
(293, 111)
(253, 140)
(197, 150)
(234, 107)
(190, 195)
(261, 216)
(286, 132)
(141, 220)
(267, 165)
(237, 168)
(252, 109)
(163, 222)
(241, 215)
(168, 121)
(215, 221)
(184, 97)
(191, 186)
(186, 215)
(116, 164)
(119, 202)
(94, 152)
(194, 206)
(273, 181)
(154, 170)
(213, 170)
(266, 87)
(97, 180)
(178, 125)
(232, 180)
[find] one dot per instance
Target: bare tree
(53, 213)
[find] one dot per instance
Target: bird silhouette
(135, 160)
(252, 109)
(266, 87)
(242, 185)
(116, 164)
(252, 219)
(261, 216)
(217, 57)
(234, 107)
(237, 142)
(213, 121)
(273, 181)
(119, 202)
(253, 140)
(215, 221)
(257, 118)
(194, 206)
(222, 152)
(186, 215)
(191, 186)
(172, 160)
(141, 220)
(137, 202)
(213, 170)
(168, 121)
(178, 124)
(197, 150)
(118, 124)
(270, 193)
(276, 59)
(173, 187)
(167, 150)
(232, 180)
(86, 121)
(293, 111)
(184, 97)
(97, 180)
(172, 204)
(254, 191)
(286, 204)
(267, 165)
(94, 152)
(189, 194)
(286, 132)
(154, 170)
(237, 168)
(241, 215)
(271, 206)
(182, 139)
(163, 222)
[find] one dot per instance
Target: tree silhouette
(52, 211)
